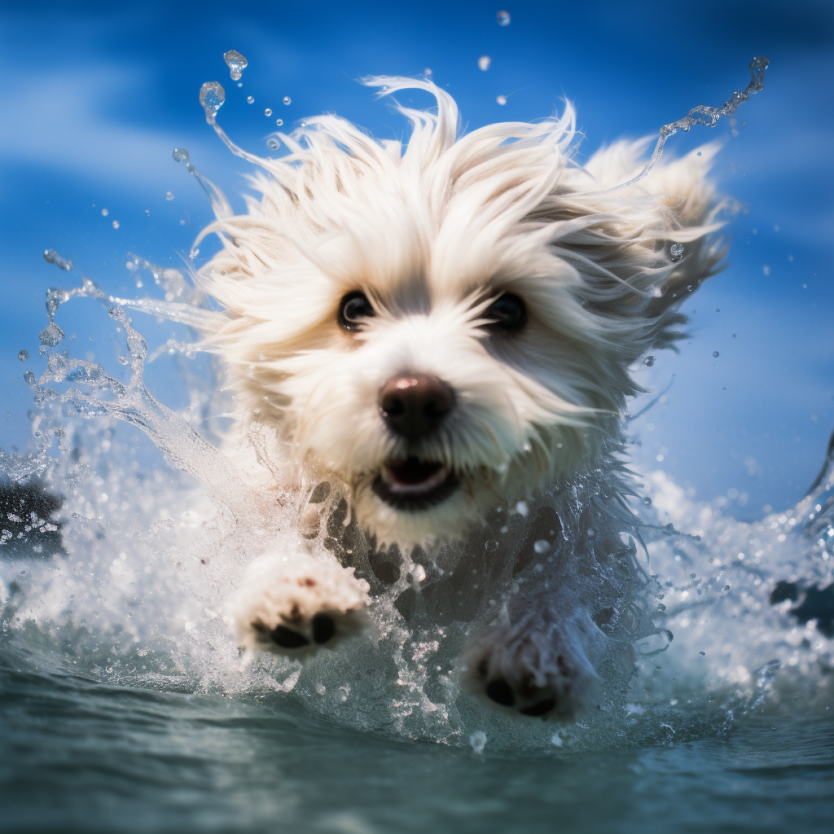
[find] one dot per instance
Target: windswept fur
(432, 231)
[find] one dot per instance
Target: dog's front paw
(296, 606)
(540, 674)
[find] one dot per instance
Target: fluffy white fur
(433, 231)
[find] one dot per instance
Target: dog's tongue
(413, 475)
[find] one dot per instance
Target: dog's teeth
(397, 487)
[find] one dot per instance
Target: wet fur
(433, 231)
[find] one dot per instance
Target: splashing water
(134, 592)
(137, 596)
(703, 115)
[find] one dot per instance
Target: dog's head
(447, 326)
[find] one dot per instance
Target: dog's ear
(653, 244)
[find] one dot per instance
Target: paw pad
(529, 694)
(322, 626)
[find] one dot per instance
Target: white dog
(432, 341)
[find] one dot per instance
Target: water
(705, 115)
(212, 97)
(125, 703)
(83, 756)
(51, 256)
(236, 63)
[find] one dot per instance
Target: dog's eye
(506, 313)
(354, 308)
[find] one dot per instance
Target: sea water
(126, 704)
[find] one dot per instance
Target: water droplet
(501, 100)
(50, 336)
(51, 256)
(239, 83)
(23, 355)
(250, 99)
(115, 224)
(478, 741)
(29, 378)
(236, 63)
(744, 124)
(104, 212)
(648, 361)
(427, 71)
(180, 154)
(212, 96)
(541, 546)
(287, 100)
(169, 196)
(766, 269)
(699, 153)
(647, 501)
(279, 122)
(715, 354)
(267, 112)
(676, 251)
(484, 61)
(121, 360)
(702, 653)
(503, 18)
(272, 143)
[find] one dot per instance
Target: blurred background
(94, 99)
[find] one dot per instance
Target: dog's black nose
(414, 405)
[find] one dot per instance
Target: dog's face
(442, 331)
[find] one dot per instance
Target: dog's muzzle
(414, 406)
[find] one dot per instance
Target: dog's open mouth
(413, 484)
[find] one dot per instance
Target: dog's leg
(293, 603)
(538, 656)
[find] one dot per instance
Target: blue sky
(95, 98)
